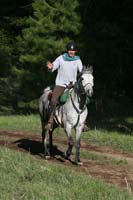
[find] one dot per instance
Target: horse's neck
(79, 100)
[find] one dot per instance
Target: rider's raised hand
(49, 65)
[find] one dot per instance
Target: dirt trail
(118, 174)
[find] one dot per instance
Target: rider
(67, 65)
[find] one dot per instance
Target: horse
(71, 114)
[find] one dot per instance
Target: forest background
(35, 31)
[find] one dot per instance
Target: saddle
(63, 98)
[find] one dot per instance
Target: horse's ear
(90, 68)
(84, 67)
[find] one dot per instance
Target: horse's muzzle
(89, 93)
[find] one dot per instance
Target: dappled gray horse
(72, 114)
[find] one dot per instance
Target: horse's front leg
(70, 142)
(78, 134)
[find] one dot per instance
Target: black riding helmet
(71, 46)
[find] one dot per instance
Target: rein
(77, 110)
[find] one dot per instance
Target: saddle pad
(65, 96)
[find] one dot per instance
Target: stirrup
(85, 128)
(49, 126)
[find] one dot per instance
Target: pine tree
(52, 25)
(12, 19)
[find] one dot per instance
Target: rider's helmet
(71, 46)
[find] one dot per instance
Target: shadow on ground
(36, 147)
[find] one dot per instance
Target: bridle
(80, 87)
(80, 90)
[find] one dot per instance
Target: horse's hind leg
(44, 143)
(51, 142)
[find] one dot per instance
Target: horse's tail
(44, 102)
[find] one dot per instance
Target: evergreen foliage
(49, 29)
(5, 53)
(45, 37)
(13, 17)
(35, 31)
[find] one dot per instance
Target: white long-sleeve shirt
(67, 70)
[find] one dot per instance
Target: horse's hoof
(67, 157)
(47, 157)
(79, 163)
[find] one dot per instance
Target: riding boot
(49, 125)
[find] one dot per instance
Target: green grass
(112, 139)
(103, 159)
(23, 177)
(21, 122)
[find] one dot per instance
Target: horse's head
(86, 81)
